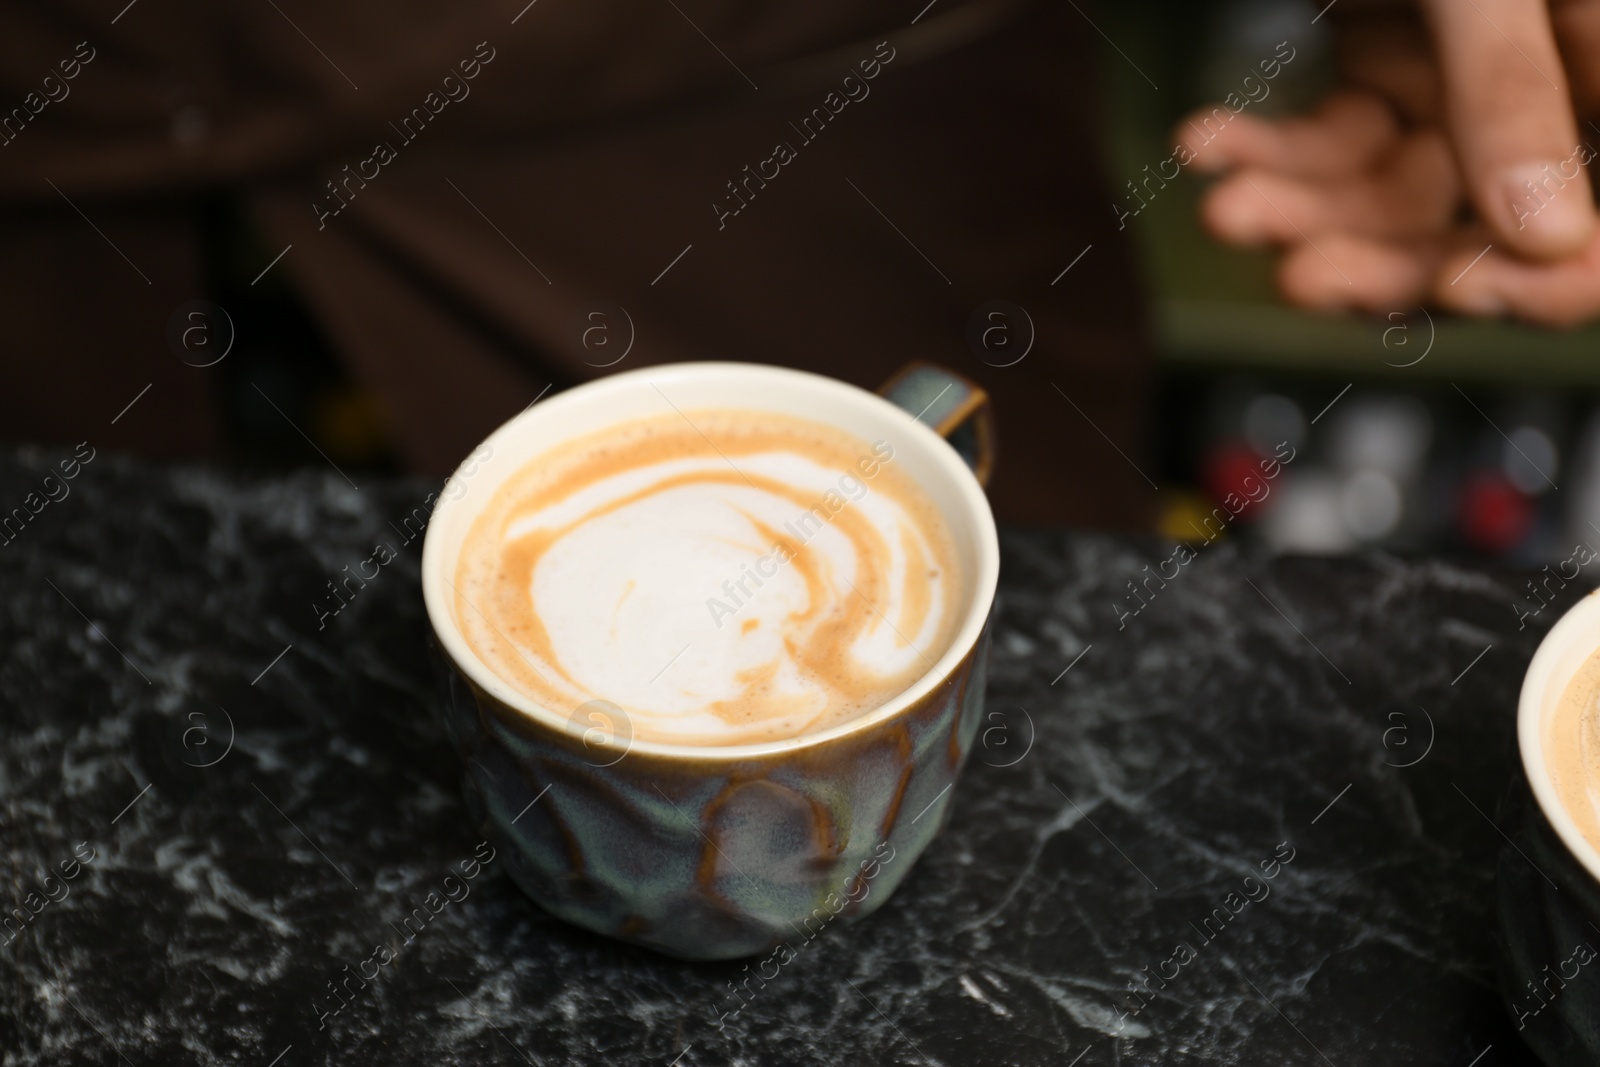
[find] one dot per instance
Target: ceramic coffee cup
(717, 852)
(1548, 879)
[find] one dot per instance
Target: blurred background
(1453, 433)
(1419, 432)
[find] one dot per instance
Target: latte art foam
(723, 576)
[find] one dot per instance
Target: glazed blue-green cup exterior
(721, 852)
(1548, 878)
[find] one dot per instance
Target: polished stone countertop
(1346, 726)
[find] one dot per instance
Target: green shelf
(1221, 333)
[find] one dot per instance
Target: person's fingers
(1563, 293)
(1461, 273)
(1341, 272)
(1416, 191)
(1508, 110)
(1344, 136)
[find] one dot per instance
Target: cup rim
(984, 581)
(1575, 628)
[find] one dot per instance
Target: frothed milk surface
(1572, 749)
(725, 577)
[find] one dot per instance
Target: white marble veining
(1155, 775)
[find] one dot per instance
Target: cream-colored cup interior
(920, 452)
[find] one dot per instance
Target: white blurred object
(1307, 516)
(1370, 505)
(1389, 434)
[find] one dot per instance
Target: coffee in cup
(1548, 876)
(1572, 749)
(723, 576)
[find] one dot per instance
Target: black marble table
(1135, 772)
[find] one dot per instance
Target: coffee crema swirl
(722, 576)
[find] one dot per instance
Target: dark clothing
(455, 218)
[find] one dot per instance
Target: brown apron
(469, 192)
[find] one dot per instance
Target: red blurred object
(1225, 469)
(1493, 515)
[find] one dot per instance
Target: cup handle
(955, 407)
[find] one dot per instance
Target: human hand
(1477, 110)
